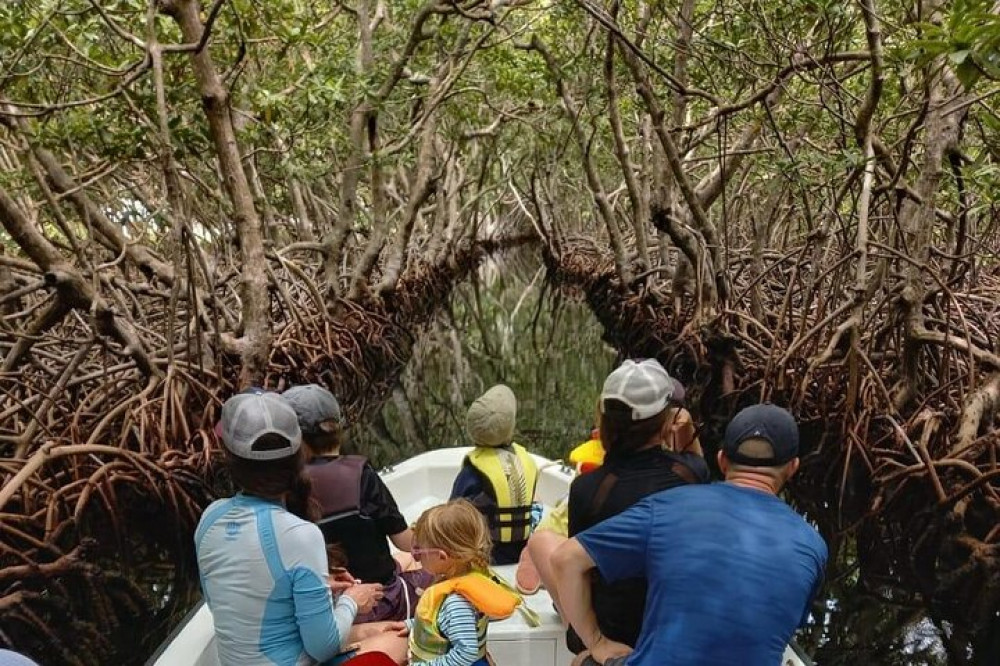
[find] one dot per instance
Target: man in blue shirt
(731, 568)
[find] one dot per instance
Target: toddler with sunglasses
(449, 628)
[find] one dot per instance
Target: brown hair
(620, 435)
(282, 479)
(459, 529)
(328, 440)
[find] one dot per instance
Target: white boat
(417, 484)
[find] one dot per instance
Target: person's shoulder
(676, 500)
(811, 536)
(687, 492)
(294, 530)
(520, 447)
(220, 504)
(368, 472)
(696, 464)
(819, 543)
(213, 512)
(467, 469)
(455, 601)
(354, 459)
(8, 658)
(587, 482)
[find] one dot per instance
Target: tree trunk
(215, 100)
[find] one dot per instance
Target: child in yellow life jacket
(499, 476)
(449, 627)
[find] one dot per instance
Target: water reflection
(507, 325)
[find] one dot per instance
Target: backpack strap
(601, 496)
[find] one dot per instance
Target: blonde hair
(459, 529)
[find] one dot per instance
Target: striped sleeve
(457, 622)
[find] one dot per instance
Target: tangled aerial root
(916, 486)
(97, 517)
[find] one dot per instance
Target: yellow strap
(511, 490)
(531, 618)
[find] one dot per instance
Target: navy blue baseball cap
(768, 422)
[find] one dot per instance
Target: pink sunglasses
(419, 552)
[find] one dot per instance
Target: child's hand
(398, 628)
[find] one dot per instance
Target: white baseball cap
(645, 387)
(246, 417)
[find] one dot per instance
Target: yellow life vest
(492, 600)
(588, 456)
(513, 475)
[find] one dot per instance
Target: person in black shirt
(358, 510)
(650, 447)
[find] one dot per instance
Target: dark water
(509, 326)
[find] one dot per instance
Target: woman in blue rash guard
(263, 564)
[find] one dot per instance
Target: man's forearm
(572, 566)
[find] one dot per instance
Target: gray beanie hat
(490, 420)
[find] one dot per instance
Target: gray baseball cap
(313, 404)
(246, 417)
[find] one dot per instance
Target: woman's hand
(340, 579)
(365, 595)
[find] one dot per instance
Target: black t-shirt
(363, 537)
(607, 491)
(378, 503)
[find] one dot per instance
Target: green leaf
(958, 57)
(968, 73)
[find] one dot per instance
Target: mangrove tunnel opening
(511, 324)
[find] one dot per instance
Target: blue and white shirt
(263, 573)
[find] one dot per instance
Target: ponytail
(284, 479)
(299, 499)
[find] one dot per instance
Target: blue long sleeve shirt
(457, 621)
(263, 573)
